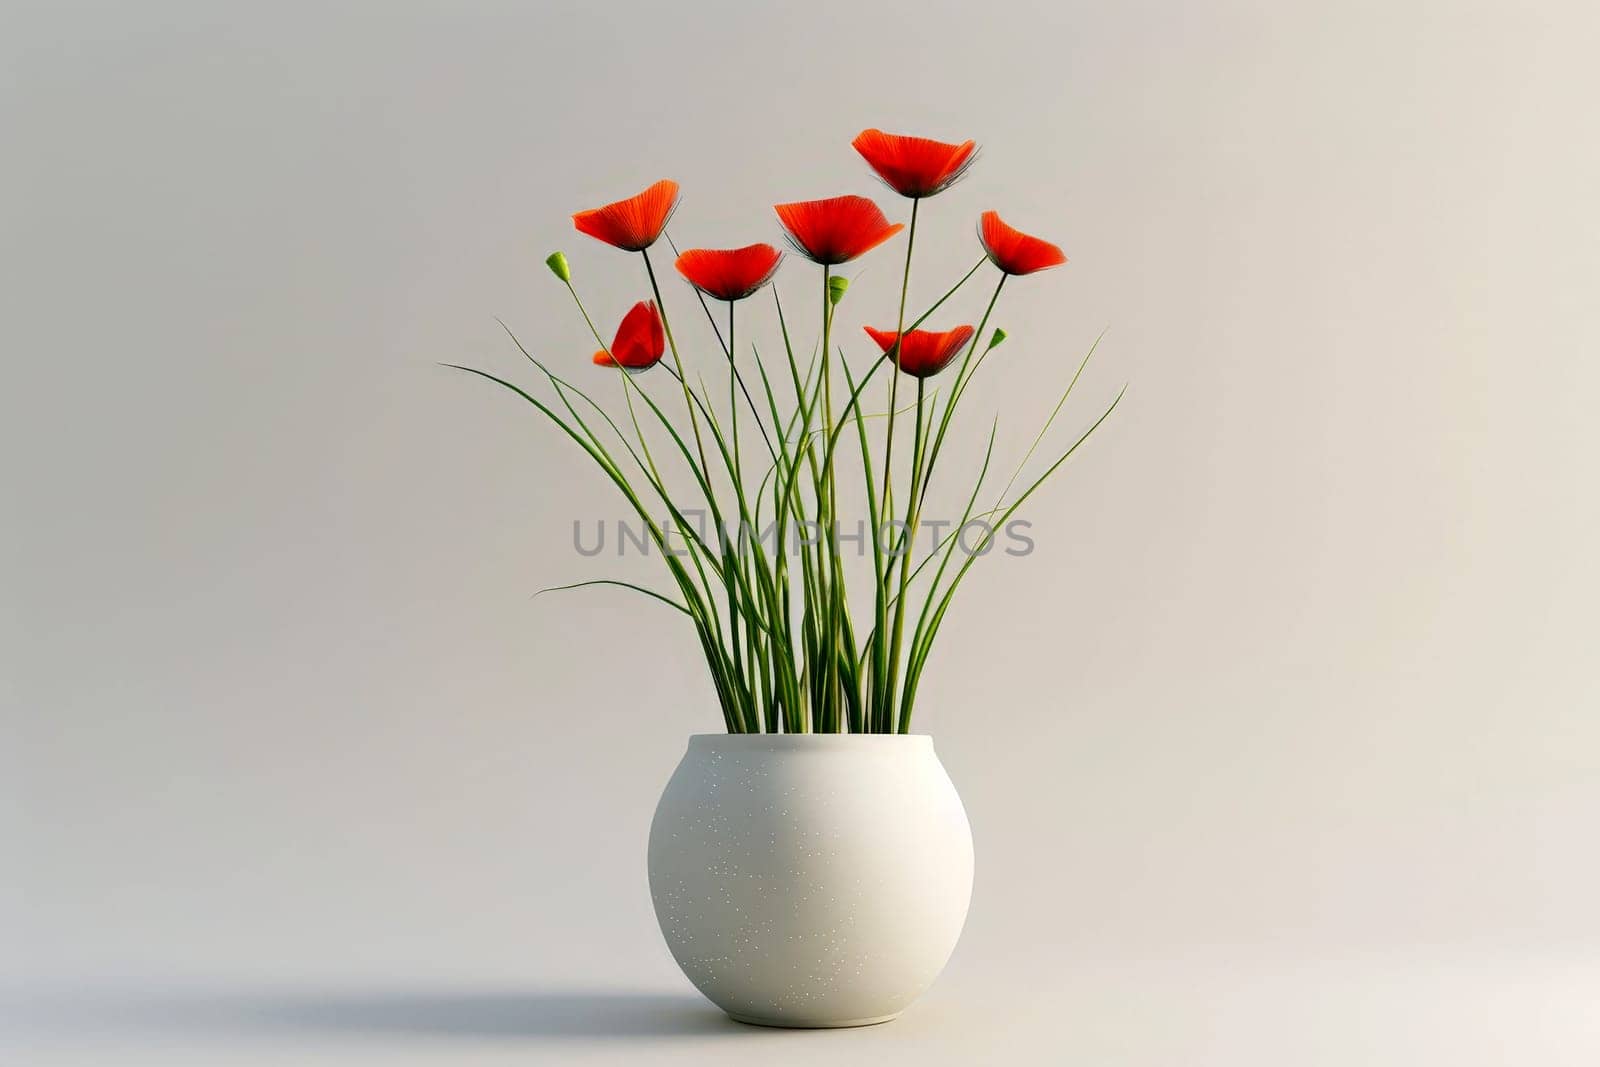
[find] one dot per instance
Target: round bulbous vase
(811, 880)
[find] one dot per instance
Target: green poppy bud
(836, 289)
(557, 262)
(998, 336)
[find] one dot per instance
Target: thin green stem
(829, 515)
(909, 545)
(715, 659)
(1048, 422)
(894, 357)
(962, 378)
(727, 348)
(666, 325)
(733, 401)
(920, 655)
(883, 680)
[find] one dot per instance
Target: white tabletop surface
(1206, 1009)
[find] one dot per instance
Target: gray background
(1281, 749)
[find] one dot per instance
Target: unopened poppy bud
(557, 262)
(995, 338)
(836, 289)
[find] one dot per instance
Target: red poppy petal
(1013, 251)
(835, 230)
(729, 274)
(633, 224)
(914, 166)
(884, 338)
(923, 352)
(640, 339)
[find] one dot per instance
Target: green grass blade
(668, 601)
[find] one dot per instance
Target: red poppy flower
(1014, 251)
(640, 339)
(732, 273)
(632, 224)
(836, 230)
(923, 353)
(915, 166)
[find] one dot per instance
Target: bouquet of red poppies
(764, 583)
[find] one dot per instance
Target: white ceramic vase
(811, 880)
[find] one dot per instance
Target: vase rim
(794, 742)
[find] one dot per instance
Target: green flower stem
(731, 575)
(733, 596)
(762, 568)
(962, 378)
(714, 659)
(721, 441)
(920, 638)
(812, 577)
(727, 349)
(894, 357)
(948, 545)
(775, 624)
(882, 676)
(677, 361)
(702, 476)
(829, 515)
(1047, 423)
(733, 401)
(913, 518)
(562, 387)
(587, 320)
(858, 713)
(775, 473)
(752, 661)
(786, 505)
(914, 669)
